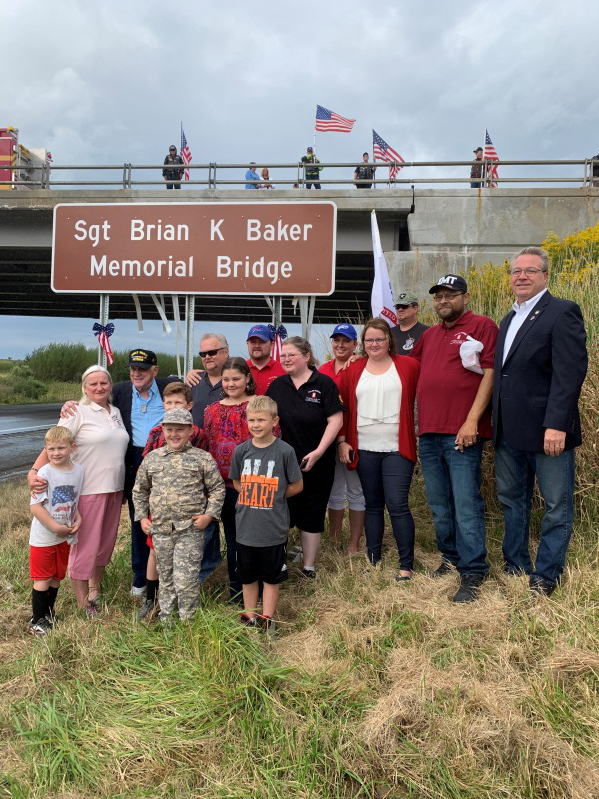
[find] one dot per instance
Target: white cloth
(346, 486)
(521, 310)
(379, 400)
(60, 499)
(102, 442)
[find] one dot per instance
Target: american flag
(185, 152)
(490, 155)
(382, 151)
(329, 121)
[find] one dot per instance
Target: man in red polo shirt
(454, 419)
(264, 369)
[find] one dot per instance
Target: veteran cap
(406, 298)
(144, 359)
(454, 282)
(177, 416)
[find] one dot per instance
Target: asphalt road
(22, 429)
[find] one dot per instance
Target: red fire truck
(18, 163)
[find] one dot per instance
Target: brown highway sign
(195, 248)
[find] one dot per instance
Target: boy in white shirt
(54, 526)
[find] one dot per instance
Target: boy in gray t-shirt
(54, 526)
(265, 472)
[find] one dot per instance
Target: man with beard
(263, 367)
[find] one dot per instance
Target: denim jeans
(228, 519)
(212, 557)
(452, 484)
(386, 478)
(140, 550)
(514, 476)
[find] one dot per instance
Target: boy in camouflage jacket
(183, 490)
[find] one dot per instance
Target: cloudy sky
(110, 82)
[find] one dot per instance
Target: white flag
(382, 295)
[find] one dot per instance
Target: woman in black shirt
(310, 416)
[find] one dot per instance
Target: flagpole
(484, 169)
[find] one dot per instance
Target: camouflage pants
(179, 557)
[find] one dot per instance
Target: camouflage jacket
(174, 485)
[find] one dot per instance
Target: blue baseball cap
(261, 331)
(347, 330)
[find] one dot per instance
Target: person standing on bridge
(170, 172)
(363, 173)
(477, 170)
(408, 329)
(312, 170)
(252, 177)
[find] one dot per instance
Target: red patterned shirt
(156, 439)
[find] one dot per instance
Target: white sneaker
(137, 592)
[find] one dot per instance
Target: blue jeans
(386, 478)
(212, 557)
(515, 472)
(452, 484)
(140, 550)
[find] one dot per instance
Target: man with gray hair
(540, 366)
(206, 386)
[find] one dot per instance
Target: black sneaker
(39, 628)
(538, 585)
(469, 587)
(268, 624)
(309, 573)
(443, 569)
(248, 621)
(147, 610)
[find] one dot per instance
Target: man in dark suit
(540, 366)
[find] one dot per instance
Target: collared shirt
(264, 377)
(446, 390)
(249, 175)
(521, 311)
(145, 413)
(203, 395)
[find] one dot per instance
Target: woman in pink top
(347, 486)
(101, 441)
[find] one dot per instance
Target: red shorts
(149, 542)
(47, 562)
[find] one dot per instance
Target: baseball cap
(177, 416)
(406, 298)
(345, 329)
(310, 149)
(455, 282)
(478, 150)
(261, 331)
(144, 359)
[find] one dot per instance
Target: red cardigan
(408, 370)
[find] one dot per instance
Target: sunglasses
(402, 307)
(210, 353)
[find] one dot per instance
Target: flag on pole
(382, 294)
(382, 151)
(490, 154)
(185, 152)
(328, 121)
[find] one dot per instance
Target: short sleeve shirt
(262, 515)
(328, 368)
(264, 377)
(446, 390)
(102, 442)
(60, 499)
(406, 339)
(304, 412)
(203, 395)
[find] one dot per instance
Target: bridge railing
(230, 176)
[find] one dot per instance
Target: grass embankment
(372, 688)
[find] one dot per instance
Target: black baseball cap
(143, 359)
(454, 282)
(478, 150)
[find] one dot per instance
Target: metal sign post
(104, 311)
(190, 304)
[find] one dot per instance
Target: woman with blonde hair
(101, 441)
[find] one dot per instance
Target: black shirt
(304, 411)
(405, 339)
(202, 395)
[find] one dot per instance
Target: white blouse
(379, 400)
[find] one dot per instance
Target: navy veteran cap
(347, 330)
(143, 359)
(177, 416)
(454, 282)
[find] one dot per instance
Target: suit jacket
(539, 384)
(122, 398)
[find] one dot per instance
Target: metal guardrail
(589, 176)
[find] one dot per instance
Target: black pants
(310, 182)
(228, 519)
(173, 185)
(140, 550)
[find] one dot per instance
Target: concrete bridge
(425, 234)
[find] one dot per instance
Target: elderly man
(263, 367)
(540, 366)
(454, 419)
(408, 329)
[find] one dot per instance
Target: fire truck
(17, 162)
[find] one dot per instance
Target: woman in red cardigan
(378, 438)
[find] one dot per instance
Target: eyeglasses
(440, 297)
(372, 341)
(530, 271)
(402, 307)
(210, 353)
(172, 150)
